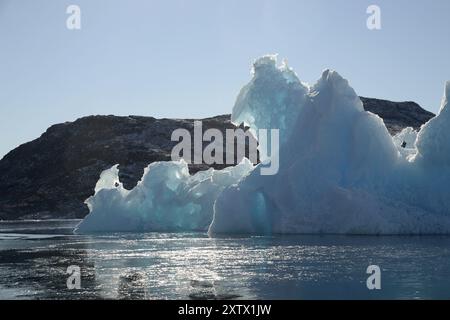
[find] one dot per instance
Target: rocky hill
(398, 115)
(50, 177)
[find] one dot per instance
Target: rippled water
(34, 256)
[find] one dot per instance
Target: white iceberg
(167, 198)
(340, 171)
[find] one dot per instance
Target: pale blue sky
(189, 58)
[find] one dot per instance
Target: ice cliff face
(340, 171)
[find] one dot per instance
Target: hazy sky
(175, 58)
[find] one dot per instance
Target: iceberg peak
(334, 80)
(433, 147)
(267, 66)
(333, 90)
(266, 62)
(444, 104)
(109, 179)
(272, 99)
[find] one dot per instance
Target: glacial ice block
(167, 198)
(340, 171)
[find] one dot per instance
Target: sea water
(35, 256)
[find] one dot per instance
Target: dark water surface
(35, 255)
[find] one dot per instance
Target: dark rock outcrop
(50, 177)
(398, 115)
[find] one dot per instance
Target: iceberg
(340, 171)
(166, 199)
